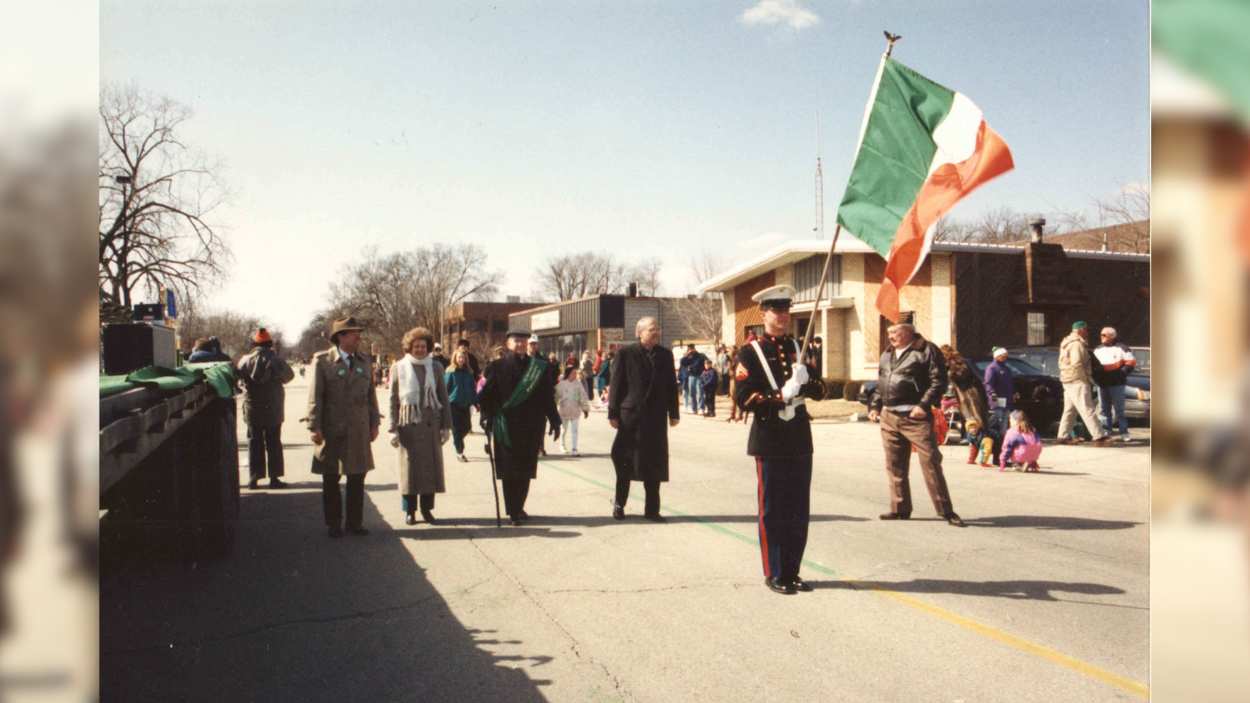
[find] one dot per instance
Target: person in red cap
(263, 374)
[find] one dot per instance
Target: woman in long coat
(420, 423)
(973, 403)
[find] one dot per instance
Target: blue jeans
(1112, 398)
(694, 394)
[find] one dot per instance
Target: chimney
(1037, 225)
(1104, 241)
(633, 290)
(514, 299)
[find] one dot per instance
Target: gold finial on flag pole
(890, 39)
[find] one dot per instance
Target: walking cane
(490, 451)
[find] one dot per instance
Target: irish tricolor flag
(922, 147)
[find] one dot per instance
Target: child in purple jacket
(1021, 445)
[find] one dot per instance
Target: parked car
(1038, 394)
(1137, 397)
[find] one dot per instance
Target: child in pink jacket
(1021, 445)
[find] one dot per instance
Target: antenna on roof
(819, 228)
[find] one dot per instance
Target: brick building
(485, 325)
(602, 322)
(973, 296)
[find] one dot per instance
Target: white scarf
(414, 396)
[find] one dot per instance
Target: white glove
(790, 390)
(443, 436)
(800, 374)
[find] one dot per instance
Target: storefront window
(1037, 328)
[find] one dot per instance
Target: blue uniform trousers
(785, 484)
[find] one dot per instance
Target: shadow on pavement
(1046, 522)
(1022, 590)
(630, 518)
(291, 614)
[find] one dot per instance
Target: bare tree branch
(154, 231)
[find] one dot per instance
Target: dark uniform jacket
(263, 375)
(642, 397)
(770, 435)
(525, 421)
(916, 377)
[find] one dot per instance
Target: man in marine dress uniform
(517, 399)
(771, 384)
(343, 418)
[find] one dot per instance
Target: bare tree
(573, 276)
(1129, 212)
(1000, 226)
(155, 195)
(232, 328)
(950, 230)
(646, 274)
(398, 291)
(701, 314)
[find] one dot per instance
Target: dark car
(1038, 394)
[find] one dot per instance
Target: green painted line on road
(715, 526)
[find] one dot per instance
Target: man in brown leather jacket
(911, 381)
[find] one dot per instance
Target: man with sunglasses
(1113, 363)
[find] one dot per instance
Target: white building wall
(942, 329)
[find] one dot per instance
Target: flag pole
(820, 291)
(890, 39)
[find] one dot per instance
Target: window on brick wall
(1037, 328)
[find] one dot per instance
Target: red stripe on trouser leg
(759, 475)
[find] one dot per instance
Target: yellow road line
(1014, 642)
(1018, 643)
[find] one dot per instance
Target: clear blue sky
(631, 128)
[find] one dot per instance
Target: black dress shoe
(410, 519)
(428, 517)
(618, 513)
(777, 587)
(523, 515)
(654, 517)
(335, 531)
(515, 521)
(893, 516)
(357, 531)
(277, 483)
(801, 585)
(253, 484)
(955, 520)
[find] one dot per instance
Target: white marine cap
(777, 294)
(998, 351)
(534, 338)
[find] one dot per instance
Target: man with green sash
(517, 400)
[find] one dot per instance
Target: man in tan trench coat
(343, 418)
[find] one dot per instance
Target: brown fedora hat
(347, 324)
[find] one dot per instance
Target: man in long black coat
(517, 439)
(642, 405)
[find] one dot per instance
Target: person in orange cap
(263, 374)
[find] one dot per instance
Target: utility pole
(819, 229)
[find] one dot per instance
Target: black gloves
(555, 432)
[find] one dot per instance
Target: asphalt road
(1043, 597)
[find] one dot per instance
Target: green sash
(522, 392)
